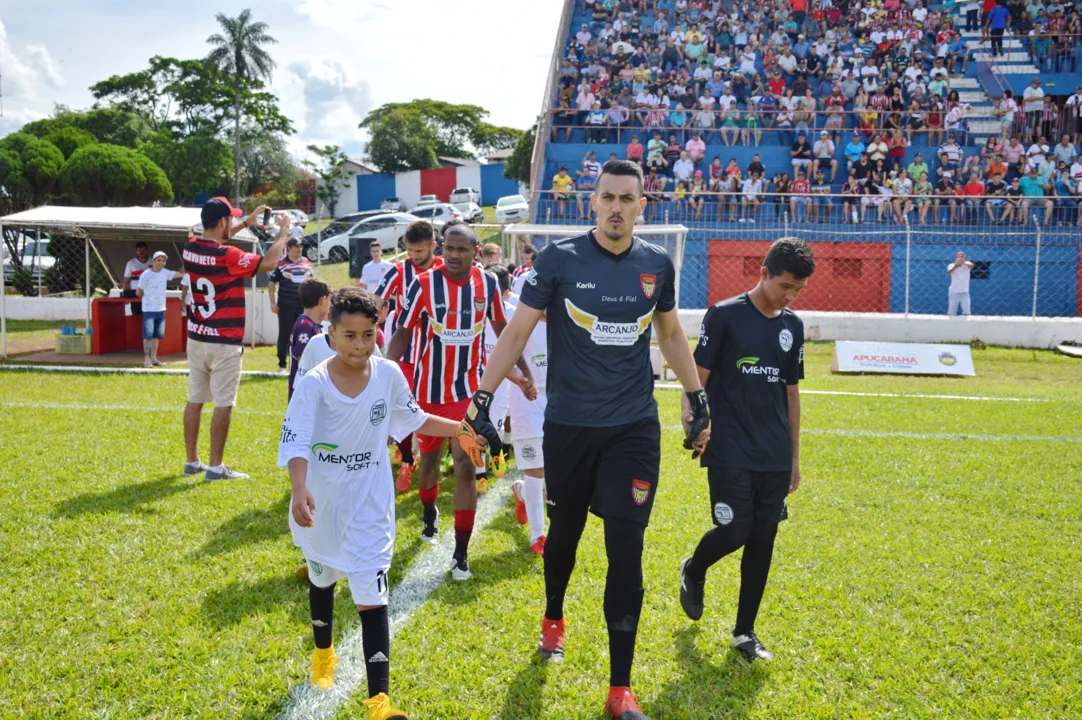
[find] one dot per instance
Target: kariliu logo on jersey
(751, 366)
(604, 332)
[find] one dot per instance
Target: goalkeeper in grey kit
(603, 291)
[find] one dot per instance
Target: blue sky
(337, 59)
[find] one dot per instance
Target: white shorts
(500, 404)
(527, 425)
(528, 453)
(367, 588)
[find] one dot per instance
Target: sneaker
(460, 569)
(225, 473)
(622, 705)
(691, 592)
(379, 708)
(551, 646)
(750, 647)
(323, 662)
(194, 468)
(482, 484)
(431, 530)
(404, 481)
(156, 362)
(146, 362)
(751, 220)
(742, 220)
(538, 546)
(283, 371)
(520, 506)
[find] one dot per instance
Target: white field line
(87, 370)
(125, 408)
(920, 396)
(843, 432)
(427, 572)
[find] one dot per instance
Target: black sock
(559, 559)
(321, 602)
(405, 448)
(376, 640)
(715, 544)
(754, 569)
(623, 595)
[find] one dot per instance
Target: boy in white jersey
(501, 399)
(527, 427)
(334, 442)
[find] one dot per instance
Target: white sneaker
(194, 468)
(751, 220)
(283, 371)
(460, 569)
(742, 220)
(224, 472)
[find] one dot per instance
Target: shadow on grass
(705, 690)
(250, 527)
(231, 604)
(137, 498)
(523, 698)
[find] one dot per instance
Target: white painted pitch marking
(920, 396)
(843, 432)
(125, 408)
(120, 370)
(428, 571)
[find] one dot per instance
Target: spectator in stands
(854, 151)
(972, 192)
(1036, 153)
(751, 125)
(562, 185)
(1034, 105)
(799, 196)
(950, 155)
(1034, 190)
(596, 121)
(958, 295)
(852, 192)
(1012, 209)
(945, 194)
(995, 191)
(801, 154)
(877, 149)
(1065, 152)
(1073, 113)
(922, 194)
(696, 148)
(683, 168)
(697, 195)
(617, 117)
(752, 191)
(821, 205)
(728, 117)
(917, 168)
(996, 22)
(897, 145)
(635, 150)
(824, 155)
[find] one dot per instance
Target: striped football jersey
(217, 276)
(394, 285)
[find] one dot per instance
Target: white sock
(218, 468)
(480, 470)
(533, 496)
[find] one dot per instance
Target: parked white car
(471, 212)
(35, 258)
(512, 208)
(439, 214)
(299, 217)
(392, 204)
(465, 195)
(429, 200)
(337, 236)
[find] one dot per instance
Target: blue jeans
(153, 325)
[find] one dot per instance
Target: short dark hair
(503, 276)
(420, 231)
(460, 227)
(140, 244)
(622, 167)
(312, 291)
(353, 301)
(790, 255)
(528, 249)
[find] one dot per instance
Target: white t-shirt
(344, 441)
(186, 282)
(153, 286)
(683, 169)
(959, 278)
(135, 268)
(372, 273)
(1034, 98)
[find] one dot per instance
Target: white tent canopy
(76, 220)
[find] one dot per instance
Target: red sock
(463, 530)
(428, 497)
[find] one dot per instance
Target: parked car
(512, 208)
(471, 212)
(299, 217)
(439, 214)
(429, 200)
(392, 204)
(34, 258)
(465, 195)
(337, 236)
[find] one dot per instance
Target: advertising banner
(902, 358)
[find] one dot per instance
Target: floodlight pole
(3, 308)
(1036, 265)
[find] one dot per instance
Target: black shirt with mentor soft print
(752, 360)
(600, 306)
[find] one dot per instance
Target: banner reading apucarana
(902, 358)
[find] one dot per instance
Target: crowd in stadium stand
(665, 81)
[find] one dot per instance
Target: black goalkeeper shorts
(609, 471)
(742, 497)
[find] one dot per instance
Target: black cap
(293, 242)
(215, 209)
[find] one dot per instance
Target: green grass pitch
(931, 568)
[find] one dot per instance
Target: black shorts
(745, 497)
(609, 471)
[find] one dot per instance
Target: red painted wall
(439, 182)
(849, 277)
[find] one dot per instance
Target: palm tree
(238, 53)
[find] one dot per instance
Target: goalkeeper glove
(478, 424)
(700, 420)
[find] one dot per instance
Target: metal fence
(875, 253)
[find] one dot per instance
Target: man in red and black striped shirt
(452, 303)
(420, 247)
(216, 325)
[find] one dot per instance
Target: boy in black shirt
(750, 358)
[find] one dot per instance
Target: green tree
(329, 172)
(401, 141)
(239, 53)
(69, 139)
(487, 139)
(114, 126)
(518, 165)
(197, 162)
(269, 167)
(110, 175)
(29, 170)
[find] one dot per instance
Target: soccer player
(420, 247)
(529, 253)
(283, 287)
(216, 326)
(334, 442)
(501, 401)
(314, 296)
(451, 304)
(750, 357)
(602, 440)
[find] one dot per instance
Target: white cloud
(29, 71)
(325, 101)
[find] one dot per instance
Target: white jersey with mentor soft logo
(344, 440)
